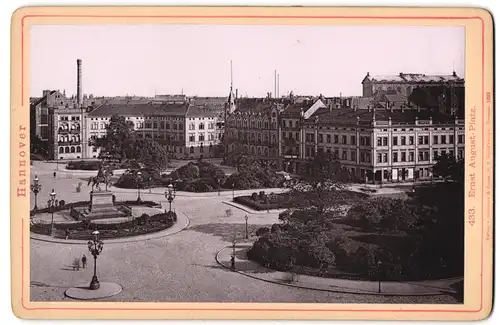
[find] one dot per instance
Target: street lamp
(233, 256)
(379, 275)
(218, 183)
(170, 196)
(35, 188)
(233, 189)
(139, 175)
(246, 226)
(95, 248)
(52, 206)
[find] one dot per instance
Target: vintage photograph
(247, 163)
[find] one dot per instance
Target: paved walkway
(251, 211)
(181, 224)
(256, 271)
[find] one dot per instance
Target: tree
(150, 154)
(38, 147)
(450, 168)
(320, 183)
(118, 143)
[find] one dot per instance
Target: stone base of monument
(101, 207)
(83, 292)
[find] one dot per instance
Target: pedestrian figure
(67, 234)
(232, 262)
(54, 174)
(84, 261)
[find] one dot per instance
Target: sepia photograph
(247, 163)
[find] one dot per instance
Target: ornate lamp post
(139, 175)
(35, 188)
(170, 196)
(95, 248)
(379, 264)
(233, 256)
(52, 205)
(246, 226)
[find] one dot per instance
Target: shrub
(262, 231)
(83, 165)
(62, 203)
(254, 196)
(262, 195)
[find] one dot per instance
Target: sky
(145, 60)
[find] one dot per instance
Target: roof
(413, 78)
(345, 115)
(139, 109)
(200, 111)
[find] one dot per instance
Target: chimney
(79, 93)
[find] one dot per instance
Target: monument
(101, 201)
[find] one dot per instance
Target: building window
(420, 156)
(335, 138)
(344, 139)
(411, 140)
(435, 154)
(191, 137)
(336, 153)
(394, 141)
(452, 152)
(426, 155)
(420, 140)
(61, 150)
(155, 125)
(353, 140)
(460, 138)
(451, 139)
(385, 157)
(210, 125)
(72, 149)
(411, 156)
(443, 139)
(426, 139)
(403, 156)
(379, 141)
(379, 157)
(435, 139)
(201, 137)
(320, 137)
(385, 141)
(403, 141)
(344, 155)
(353, 155)
(460, 154)
(191, 126)
(394, 157)
(78, 149)
(201, 126)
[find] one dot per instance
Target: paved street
(180, 267)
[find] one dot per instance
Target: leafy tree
(320, 183)
(150, 154)
(450, 168)
(118, 143)
(38, 147)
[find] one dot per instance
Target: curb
(349, 291)
(157, 235)
(251, 211)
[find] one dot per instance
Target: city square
(252, 187)
(176, 267)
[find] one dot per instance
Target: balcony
(69, 143)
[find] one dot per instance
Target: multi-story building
(187, 131)
(406, 83)
(68, 133)
(253, 129)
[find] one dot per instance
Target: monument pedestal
(101, 200)
(101, 207)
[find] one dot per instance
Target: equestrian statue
(103, 177)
